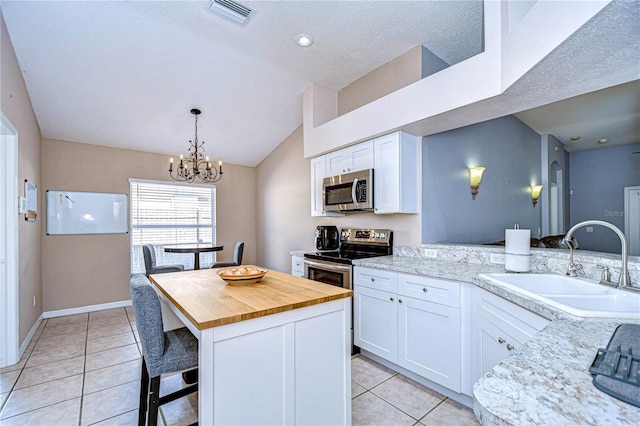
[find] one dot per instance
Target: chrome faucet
(625, 280)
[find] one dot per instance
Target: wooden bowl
(243, 274)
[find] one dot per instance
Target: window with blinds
(165, 213)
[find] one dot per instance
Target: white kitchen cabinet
(349, 159)
(499, 327)
(396, 182)
(416, 333)
(297, 266)
(429, 341)
(375, 324)
(317, 175)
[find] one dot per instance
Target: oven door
(328, 272)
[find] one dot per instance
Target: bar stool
(162, 352)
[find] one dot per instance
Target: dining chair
(149, 253)
(237, 257)
(162, 352)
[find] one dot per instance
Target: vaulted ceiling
(126, 73)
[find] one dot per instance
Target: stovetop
(358, 244)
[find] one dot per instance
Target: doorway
(556, 200)
(9, 340)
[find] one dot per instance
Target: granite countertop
(547, 380)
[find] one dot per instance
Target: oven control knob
(383, 235)
(376, 235)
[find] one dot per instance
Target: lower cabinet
(297, 266)
(423, 325)
(419, 335)
(498, 327)
(429, 341)
(375, 324)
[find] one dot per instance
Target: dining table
(196, 249)
(277, 351)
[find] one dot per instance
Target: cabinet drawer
(375, 278)
(514, 320)
(443, 292)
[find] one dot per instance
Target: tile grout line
(84, 371)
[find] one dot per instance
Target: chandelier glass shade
(196, 164)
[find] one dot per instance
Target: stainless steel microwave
(349, 192)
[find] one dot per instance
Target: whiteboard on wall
(73, 213)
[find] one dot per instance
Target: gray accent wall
(598, 178)
(511, 153)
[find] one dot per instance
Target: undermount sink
(578, 296)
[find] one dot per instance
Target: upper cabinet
(317, 174)
(394, 160)
(396, 185)
(349, 159)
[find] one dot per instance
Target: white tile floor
(85, 369)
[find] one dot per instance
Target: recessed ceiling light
(575, 138)
(603, 141)
(304, 40)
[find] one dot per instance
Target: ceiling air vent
(232, 10)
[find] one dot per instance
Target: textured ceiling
(126, 74)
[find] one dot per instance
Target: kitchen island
(274, 352)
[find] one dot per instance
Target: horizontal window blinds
(163, 214)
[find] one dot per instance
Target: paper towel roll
(516, 263)
(517, 241)
(517, 250)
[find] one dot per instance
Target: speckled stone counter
(547, 380)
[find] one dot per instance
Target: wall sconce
(475, 177)
(535, 193)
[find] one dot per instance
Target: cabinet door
(429, 341)
(317, 175)
(492, 346)
(336, 163)
(360, 157)
(396, 173)
(375, 324)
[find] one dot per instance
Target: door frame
(9, 319)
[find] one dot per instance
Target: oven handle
(328, 266)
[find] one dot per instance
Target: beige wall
(392, 76)
(81, 270)
(284, 209)
(16, 106)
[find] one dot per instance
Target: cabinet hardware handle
(510, 347)
(501, 340)
(372, 279)
(424, 289)
(391, 298)
(399, 300)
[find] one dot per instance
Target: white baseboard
(27, 340)
(85, 309)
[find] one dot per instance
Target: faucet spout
(625, 279)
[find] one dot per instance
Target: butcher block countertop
(208, 301)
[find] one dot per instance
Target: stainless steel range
(335, 267)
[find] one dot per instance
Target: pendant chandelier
(196, 164)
